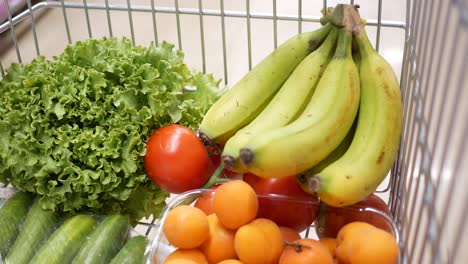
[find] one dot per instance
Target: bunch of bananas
(316, 109)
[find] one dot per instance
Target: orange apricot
(186, 227)
(362, 243)
(220, 243)
(330, 243)
(306, 251)
(235, 203)
(186, 256)
(231, 261)
(259, 242)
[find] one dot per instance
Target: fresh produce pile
(73, 129)
(31, 234)
(233, 233)
(310, 132)
(304, 138)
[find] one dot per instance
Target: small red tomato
(331, 219)
(176, 160)
(298, 212)
(205, 201)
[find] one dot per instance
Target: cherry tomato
(176, 160)
(331, 219)
(298, 212)
(204, 202)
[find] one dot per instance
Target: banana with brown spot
(287, 104)
(250, 95)
(326, 120)
(374, 147)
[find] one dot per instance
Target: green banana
(300, 145)
(287, 104)
(374, 148)
(249, 96)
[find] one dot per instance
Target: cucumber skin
(132, 252)
(12, 215)
(105, 241)
(66, 241)
(38, 226)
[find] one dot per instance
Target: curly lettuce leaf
(73, 129)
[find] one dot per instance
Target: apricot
(230, 261)
(306, 251)
(186, 227)
(220, 243)
(259, 242)
(186, 256)
(362, 243)
(235, 203)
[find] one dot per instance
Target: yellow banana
(334, 155)
(373, 150)
(249, 96)
(287, 104)
(329, 115)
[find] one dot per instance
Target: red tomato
(204, 202)
(297, 213)
(331, 219)
(176, 160)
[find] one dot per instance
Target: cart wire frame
(426, 181)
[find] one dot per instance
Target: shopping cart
(426, 41)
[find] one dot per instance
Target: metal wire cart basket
(426, 41)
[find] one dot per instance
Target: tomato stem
(321, 217)
(216, 177)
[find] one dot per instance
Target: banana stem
(321, 222)
(343, 49)
(346, 16)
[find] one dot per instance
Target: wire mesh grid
(425, 189)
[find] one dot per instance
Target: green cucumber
(66, 241)
(12, 215)
(38, 226)
(105, 241)
(132, 252)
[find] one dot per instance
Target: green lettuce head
(73, 129)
